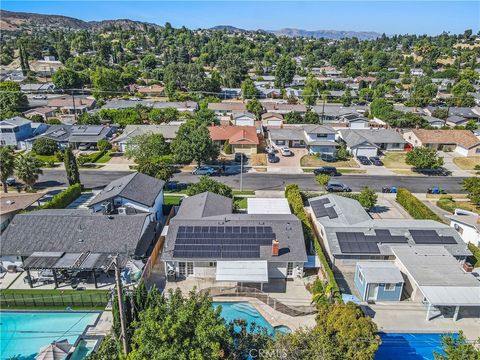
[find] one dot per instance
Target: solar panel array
(221, 241)
(431, 237)
(359, 243)
(319, 209)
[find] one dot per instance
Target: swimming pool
(243, 310)
(23, 334)
(409, 346)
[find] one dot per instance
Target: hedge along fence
(476, 254)
(415, 207)
(294, 197)
(64, 198)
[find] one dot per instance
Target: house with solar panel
(350, 235)
(206, 239)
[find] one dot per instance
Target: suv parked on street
(328, 170)
(337, 187)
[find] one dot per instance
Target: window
(280, 142)
(212, 264)
(322, 136)
(189, 268)
(361, 277)
(458, 228)
(389, 287)
(477, 150)
(182, 268)
(289, 269)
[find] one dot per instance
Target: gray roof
(432, 119)
(126, 104)
(355, 137)
(349, 211)
(59, 133)
(136, 187)
(67, 230)
(15, 121)
(89, 133)
(380, 272)
(297, 132)
(242, 114)
(456, 119)
(287, 133)
(318, 129)
(169, 131)
(337, 110)
(217, 211)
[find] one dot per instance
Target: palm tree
(7, 165)
(28, 168)
(325, 296)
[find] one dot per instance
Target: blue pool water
(244, 311)
(23, 334)
(409, 346)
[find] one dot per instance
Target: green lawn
(240, 203)
(315, 161)
(105, 158)
(172, 199)
(450, 205)
(245, 192)
(395, 160)
(47, 158)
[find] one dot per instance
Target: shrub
(103, 145)
(446, 204)
(367, 198)
(59, 155)
(476, 254)
(227, 148)
(415, 207)
(44, 146)
(322, 179)
(64, 198)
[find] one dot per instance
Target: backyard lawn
(47, 158)
(315, 161)
(240, 202)
(467, 162)
(395, 160)
(172, 199)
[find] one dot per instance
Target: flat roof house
(205, 239)
(378, 281)
(463, 142)
(280, 108)
(318, 139)
(227, 108)
(243, 139)
(368, 142)
(15, 130)
(70, 105)
(467, 223)
(169, 132)
(44, 111)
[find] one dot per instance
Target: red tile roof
(236, 135)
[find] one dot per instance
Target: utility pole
(74, 109)
(241, 172)
(121, 310)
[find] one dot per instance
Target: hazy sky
(420, 17)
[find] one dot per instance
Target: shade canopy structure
(242, 271)
(57, 350)
(452, 295)
(41, 260)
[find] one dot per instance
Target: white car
(40, 97)
(285, 151)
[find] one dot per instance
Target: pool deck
(274, 317)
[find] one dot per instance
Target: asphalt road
(265, 181)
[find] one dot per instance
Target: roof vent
(81, 241)
(10, 202)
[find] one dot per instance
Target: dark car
(327, 170)
(328, 157)
(376, 160)
(272, 158)
(363, 160)
(337, 187)
(239, 157)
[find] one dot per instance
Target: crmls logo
(262, 353)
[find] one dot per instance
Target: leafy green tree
(54, 121)
(104, 145)
(208, 184)
(44, 146)
(7, 165)
(423, 92)
(233, 69)
(293, 117)
(227, 148)
(470, 75)
(322, 179)
(180, 328)
(65, 78)
(440, 113)
(285, 71)
(206, 117)
(342, 152)
(310, 91)
(367, 198)
(12, 100)
(311, 117)
(424, 158)
(143, 147)
(457, 348)
(106, 82)
(249, 91)
(160, 167)
(255, 107)
(193, 143)
(322, 293)
(160, 116)
(109, 349)
(149, 62)
(28, 169)
(462, 88)
(346, 98)
(471, 125)
(71, 167)
(472, 186)
(89, 119)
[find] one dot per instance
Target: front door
(372, 292)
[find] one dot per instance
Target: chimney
(275, 248)
(467, 267)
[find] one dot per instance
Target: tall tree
(249, 91)
(143, 147)
(208, 184)
(424, 158)
(28, 169)
(457, 348)
(71, 167)
(66, 78)
(106, 82)
(7, 165)
(285, 71)
(12, 100)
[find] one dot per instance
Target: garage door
(366, 151)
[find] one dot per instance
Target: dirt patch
(395, 160)
(467, 163)
(259, 160)
(315, 161)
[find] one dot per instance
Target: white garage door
(366, 151)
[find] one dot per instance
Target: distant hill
(327, 34)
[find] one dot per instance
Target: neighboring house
(460, 112)
(284, 108)
(368, 142)
(318, 139)
(463, 142)
(350, 235)
(11, 204)
(355, 121)
(151, 90)
(227, 108)
(182, 106)
(58, 133)
(378, 281)
(169, 132)
(329, 113)
(272, 120)
(270, 93)
(131, 194)
(455, 120)
(434, 122)
(230, 93)
(417, 72)
(35, 88)
(15, 130)
(71, 105)
(45, 112)
(205, 239)
(243, 119)
(243, 139)
(467, 223)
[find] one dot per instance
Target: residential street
(269, 181)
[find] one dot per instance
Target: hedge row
(476, 254)
(64, 198)
(415, 207)
(91, 158)
(447, 204)
(294, 197)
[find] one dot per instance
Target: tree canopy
(208, 184)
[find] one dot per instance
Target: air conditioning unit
(122, 211)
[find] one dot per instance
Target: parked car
(270, 150)
(204, 170)
(376, 160)
(83, 147)
(11, 181)
(337, 187)
(40, 97)
(240, 156)
(363, 160)
(328, 170)
(272, 158)
(328, 157)
(285, 151)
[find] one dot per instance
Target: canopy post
(455, 315)
(428, 312)
(55, 280)
(95, 278)
(29, 279)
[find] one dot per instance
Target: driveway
(450, 165)
(288, 164)
(388, 208)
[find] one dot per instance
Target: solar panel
(319, 209)
(431, 237)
